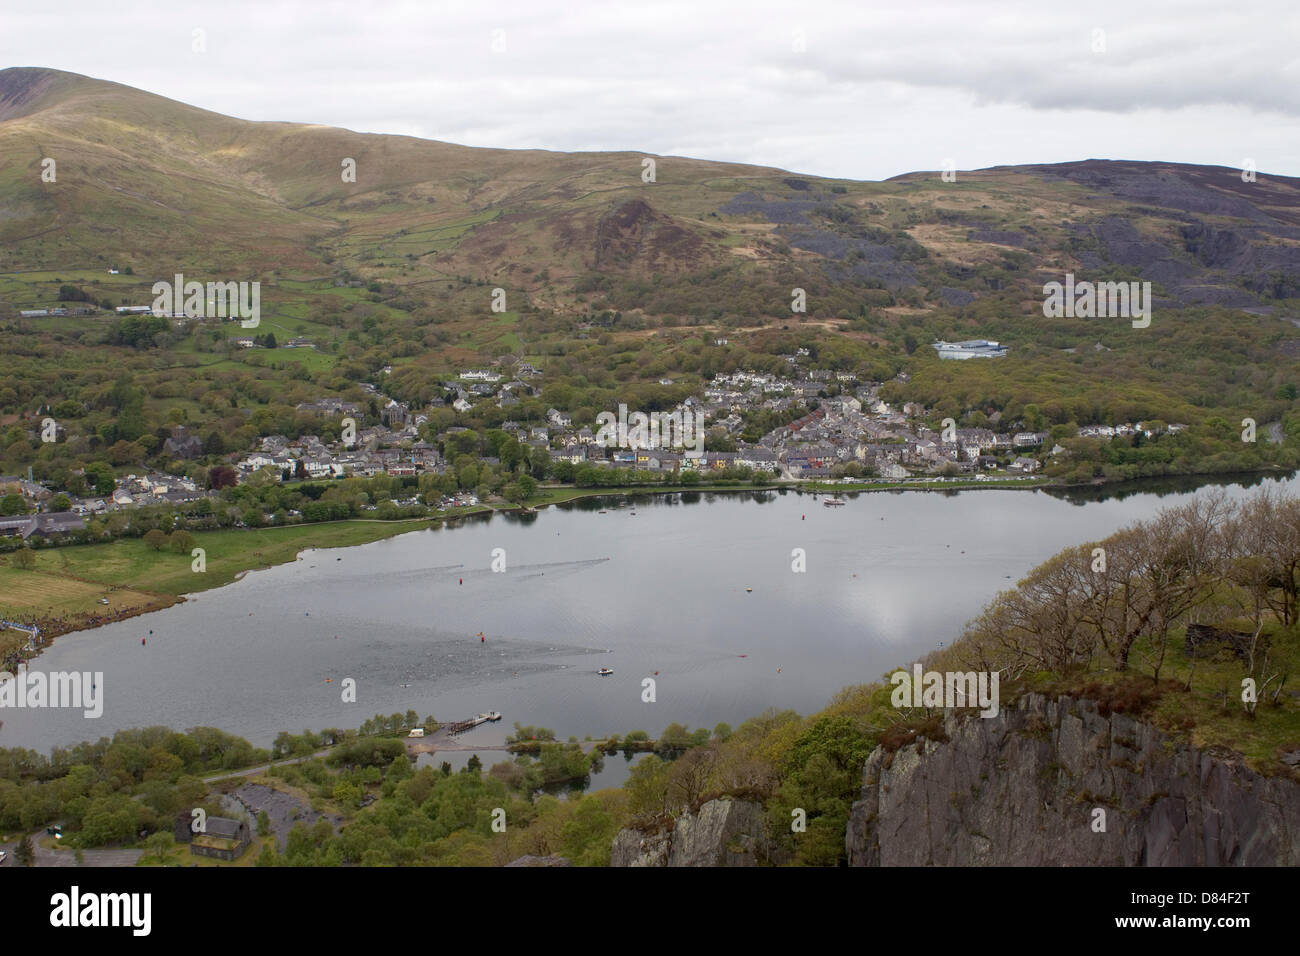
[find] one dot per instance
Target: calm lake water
(613, 773)
(659, 594)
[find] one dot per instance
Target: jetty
(460, 726)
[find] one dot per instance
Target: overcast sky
(862, 90)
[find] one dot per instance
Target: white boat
(490, 715)
(833, 502)
(604, 672)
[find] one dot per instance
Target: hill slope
(151, 181)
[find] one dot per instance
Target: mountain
(164, 187)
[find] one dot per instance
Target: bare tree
(1182, 567)
(691, 774)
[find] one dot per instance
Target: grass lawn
(41, 594)
(69, 581)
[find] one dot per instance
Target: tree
(674, 737)
(26, 853)
(155, 539)
(222, 476)
(105, 481)
(60, 502)
(400, 769)
(263, 823)
(348, 795)
(25, 558)
(647, 787)
(158, 845)
(13, 505)
(181, 541)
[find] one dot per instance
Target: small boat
(833, 502)
(604, 672)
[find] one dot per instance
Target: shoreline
(57, 627)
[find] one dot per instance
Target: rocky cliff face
(1024, 788)
(723, 833)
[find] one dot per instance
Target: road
(47, 857)
(263, 768)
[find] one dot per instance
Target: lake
(653, 588)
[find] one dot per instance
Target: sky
(857, 90)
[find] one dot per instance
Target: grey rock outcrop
(530, 860)
(1023, 788)
(724, 832)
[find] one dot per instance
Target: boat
(833, 502)
(490, 715)
(604, 672)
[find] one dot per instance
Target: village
(849, 435)
(852, 434)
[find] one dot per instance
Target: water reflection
(1164, 487)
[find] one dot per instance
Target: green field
(67, 583)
